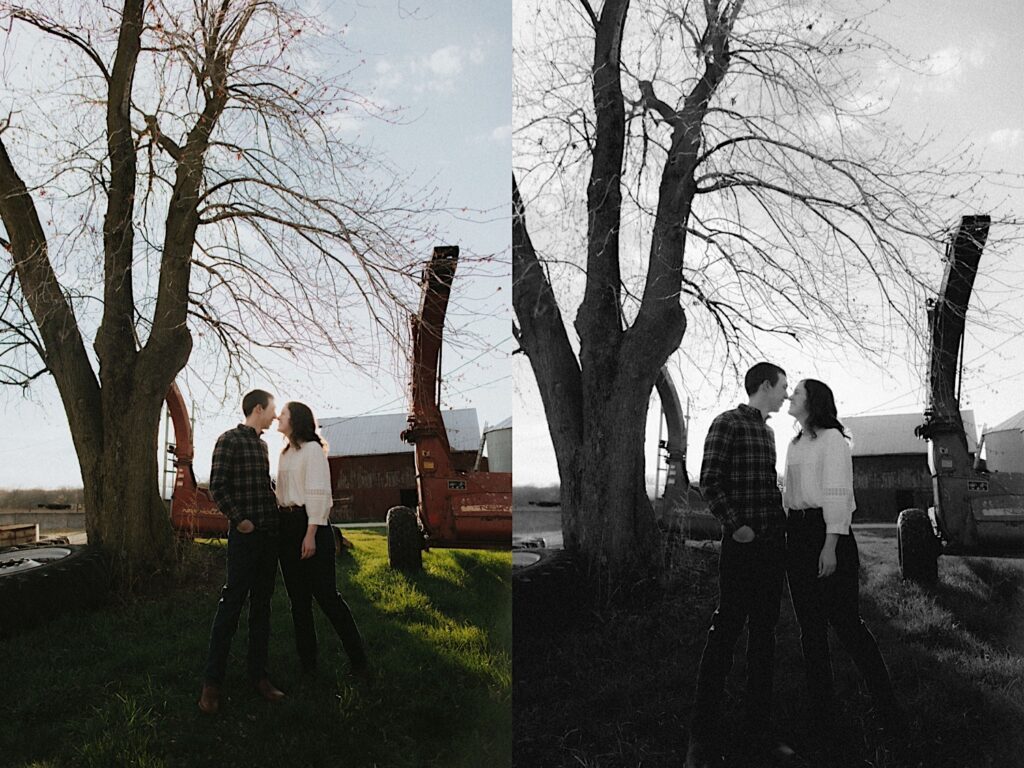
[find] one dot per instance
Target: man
(240, 484)
(740, 484)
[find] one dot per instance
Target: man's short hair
(761, 373)
(254, 398)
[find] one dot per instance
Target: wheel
(546, 594)
(530, 562)
(40, 583)
(405, 541)
(918, 547)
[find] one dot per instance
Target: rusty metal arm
(184, 447)
(946, 318)
(425, 419)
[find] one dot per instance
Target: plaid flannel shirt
(240, 478)
(738, 477)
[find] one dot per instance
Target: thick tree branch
(65, 354)
(660, 316)
(598, 319)
(116, 358)
(543, 337)
(60, 31)
(590, 12)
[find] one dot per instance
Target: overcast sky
(972, 92)
(448, 64)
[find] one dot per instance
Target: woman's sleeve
(282, 462)
(317, 484)
(837, 484)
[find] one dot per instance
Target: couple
(289, 525)
(803, 533)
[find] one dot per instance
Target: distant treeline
(29, 498)
(523, 495)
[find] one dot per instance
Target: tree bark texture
(596, 402)
(114, 427)
(114, 413)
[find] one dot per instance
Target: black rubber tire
(31, 597)
(546, 559)
(546, 594)
(918, 547)
(405, 540)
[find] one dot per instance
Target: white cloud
(343, 122)
(502, 134)
(445, 62)
(1006, 138)
(889, 79)
(437, 72)
(948, 62)
(388, 75)
(945, 68)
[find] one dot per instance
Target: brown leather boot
(209, 701)
(266, 689)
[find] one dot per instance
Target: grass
(119, 687)
(616, 689)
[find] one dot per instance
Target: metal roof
(506, 424)
(1014, 422)
(893, 433)
(380, 433)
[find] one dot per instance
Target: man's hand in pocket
(245, 526)
(744, 534)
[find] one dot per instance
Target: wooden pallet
(21, 533)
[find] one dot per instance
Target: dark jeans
(750, 592)
(314, 578)
(831, 601)
(252, 571)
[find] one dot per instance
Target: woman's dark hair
(303, 425)
(821, 410)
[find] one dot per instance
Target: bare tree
(177, 175)
(735, 143)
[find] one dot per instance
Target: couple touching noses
(268, 524)
(803, 533)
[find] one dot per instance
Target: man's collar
(752, 412)
(257, 432)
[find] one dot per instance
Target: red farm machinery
(193, 510)
(974, 512)
(463, 509)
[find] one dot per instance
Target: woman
(306, 541)
(822, 563)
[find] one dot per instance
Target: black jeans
(750, 592)
(314, 578)
(252, 571)
(831, 601)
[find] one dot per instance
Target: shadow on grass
(951, 658)
(120, 687)
(617, 691)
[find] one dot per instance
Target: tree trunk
(596, 414)
(606, 513)
(125, 514)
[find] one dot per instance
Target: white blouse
(819, 473)
(304, 478)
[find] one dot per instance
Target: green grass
(119, 687)
(616, 690)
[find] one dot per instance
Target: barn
(890, 463)
(1004, 445)
(373, 469)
